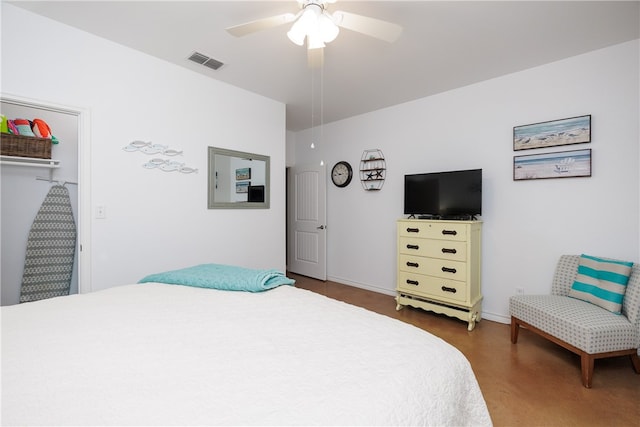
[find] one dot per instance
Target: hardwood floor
(532, 383)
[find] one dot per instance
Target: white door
(307, 227)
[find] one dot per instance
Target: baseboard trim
(390, 292)
(494, 317)
(500, 318)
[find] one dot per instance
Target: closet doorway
(23, 189)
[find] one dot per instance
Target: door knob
(321, 227)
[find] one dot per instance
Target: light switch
(101, 212)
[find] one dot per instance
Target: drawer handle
(451, 232)
(413, 247)
(413, 282)
(452, 290)
(448, 270)
(449, 251)
(412, 264)
(413, 230)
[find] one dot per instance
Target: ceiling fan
(315, 23)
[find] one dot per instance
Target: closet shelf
(30, 161)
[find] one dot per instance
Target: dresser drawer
(434, 287)
(442, 249)
(433, 230)
(455, 270)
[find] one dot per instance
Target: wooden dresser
(439, 267)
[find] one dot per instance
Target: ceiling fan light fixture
(316, 25)
(327, 28)
(302, 26)
(297, 33)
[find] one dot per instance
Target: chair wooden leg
(586, 362)
(515, 328)
(635, 359)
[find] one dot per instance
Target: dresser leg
(472, 322)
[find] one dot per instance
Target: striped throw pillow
(602, 282)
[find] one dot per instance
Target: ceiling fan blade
(315, 58)
(373, 27)
(260, 24)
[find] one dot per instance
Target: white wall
(527, 224)
(155, 220)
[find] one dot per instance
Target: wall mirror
(237, 180)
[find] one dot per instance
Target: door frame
(84, 179)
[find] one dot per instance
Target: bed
(164, 354)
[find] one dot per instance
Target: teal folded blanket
(224, 277)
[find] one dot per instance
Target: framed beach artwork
(574, 130)
(242, 186)
(563, 164)
(243, 173)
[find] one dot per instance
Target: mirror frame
(211, 180)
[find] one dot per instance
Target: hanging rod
(30, 161)
(59, 181)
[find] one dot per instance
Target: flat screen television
(255, 193)
(444, 195)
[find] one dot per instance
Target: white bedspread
(154, 354)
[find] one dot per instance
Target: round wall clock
(341, 174)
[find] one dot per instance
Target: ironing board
(51, 247)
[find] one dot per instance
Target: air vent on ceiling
(205, 60)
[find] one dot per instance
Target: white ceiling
(444, 45)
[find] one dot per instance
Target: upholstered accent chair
(582, 327)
